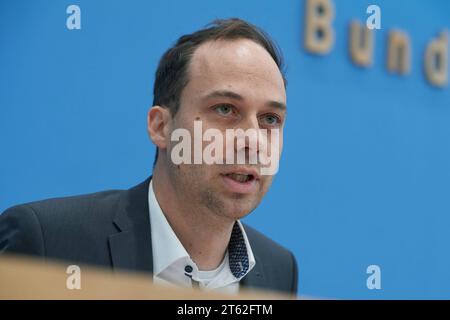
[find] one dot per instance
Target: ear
(159, 121)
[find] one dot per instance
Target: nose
(246, 142)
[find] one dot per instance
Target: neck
(204, 234)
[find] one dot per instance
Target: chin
(238, 206)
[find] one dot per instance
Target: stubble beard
(203, 199)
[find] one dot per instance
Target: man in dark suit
(182, 225)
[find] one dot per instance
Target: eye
(224, 109)
(271, 119)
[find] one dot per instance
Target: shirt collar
(240, 255)
(167, 248)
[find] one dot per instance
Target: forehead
(239, 65)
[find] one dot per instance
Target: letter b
(319, 34)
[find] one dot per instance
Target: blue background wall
(365, 174)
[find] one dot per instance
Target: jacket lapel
(131, 246)
(255, 278)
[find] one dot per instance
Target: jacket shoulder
(59, 227)
(70, 204)
(67, 212)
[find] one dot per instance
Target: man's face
(232, 84)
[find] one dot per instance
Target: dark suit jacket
(112, 229)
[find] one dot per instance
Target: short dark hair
(171, 76)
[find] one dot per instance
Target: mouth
(241, 180)
(240, 177)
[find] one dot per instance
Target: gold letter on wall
(319, 34)
(361, 44)
(399, 53)
(436, 61)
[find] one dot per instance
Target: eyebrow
(233, 95)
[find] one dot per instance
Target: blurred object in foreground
(26, 278)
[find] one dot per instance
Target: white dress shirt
(172, 264)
